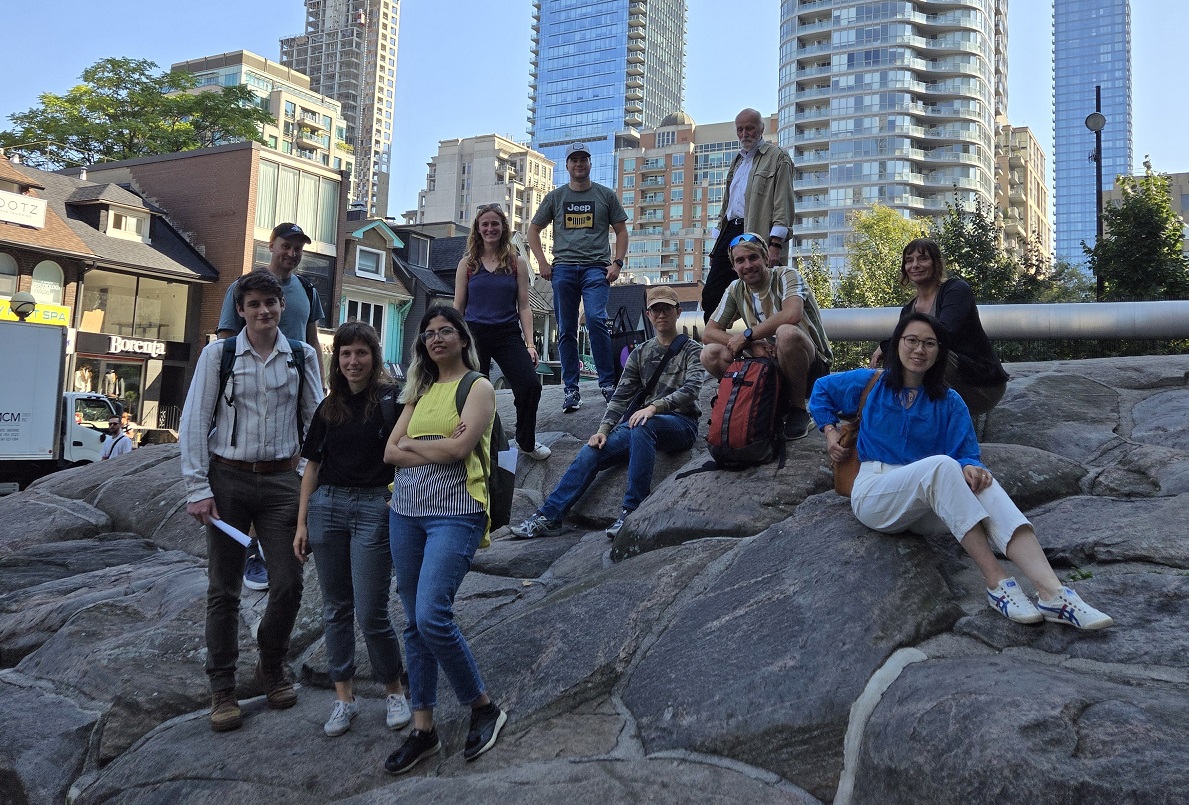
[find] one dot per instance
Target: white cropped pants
(930, 496)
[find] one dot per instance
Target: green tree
(124, 109)
(1140, 255)
(970, 242)
(816, 273)
(873, 250)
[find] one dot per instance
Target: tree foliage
(970, 243)
(1140, 255)
(124, 109)
(816, 273)
(873, 249)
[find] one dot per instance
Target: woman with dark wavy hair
(920, 471)
(972, 368)
(342, 518)
(438, 518)
(491, 291)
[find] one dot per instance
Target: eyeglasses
(747, 237)
(912, 342)
(444, 333)
(661, 308)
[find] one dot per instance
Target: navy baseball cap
(289, 230)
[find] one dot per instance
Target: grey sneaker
(797, 425)
(1069, 608)
(572, 401)
(1011, 602)
(536, 526)
(613, 529)
(608, 392)
(340, 717)
(539, 452)
(399, 714)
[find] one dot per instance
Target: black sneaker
(486, 723)
(797, 425)
(608, 392)
(572, 401)
(416, 748)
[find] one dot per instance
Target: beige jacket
(769, 200)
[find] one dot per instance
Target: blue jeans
(430, 556)
(348, 529)
(589, 284)
(637, 446)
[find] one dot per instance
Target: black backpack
(500, 482)
(227, 363)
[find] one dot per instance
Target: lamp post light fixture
(1095, 122)
(22, 304)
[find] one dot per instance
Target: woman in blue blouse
(920, 472)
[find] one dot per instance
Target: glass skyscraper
(600, 67)
(893, 103)
(1091, 47)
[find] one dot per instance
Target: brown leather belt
(259, 467)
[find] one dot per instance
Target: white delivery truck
(43, 429)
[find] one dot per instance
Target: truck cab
(85, 427)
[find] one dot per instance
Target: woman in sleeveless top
(438, 517)
(342, 518)
(491, 292)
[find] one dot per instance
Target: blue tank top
(491, 298)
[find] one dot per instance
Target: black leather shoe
(416, 748)
(486, 723)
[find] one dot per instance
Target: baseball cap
(660, 293)
(289, 230)
(576, 148)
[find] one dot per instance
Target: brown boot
(277, 687)
(225, 712)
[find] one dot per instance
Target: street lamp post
(1095, 122)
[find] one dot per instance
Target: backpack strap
(460, 400)
(638, 400)
(299, 361)
(309, 289)
(226, 374)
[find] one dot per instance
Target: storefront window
(8, 274)
(120, 304)
(119, 381)
(48, 283)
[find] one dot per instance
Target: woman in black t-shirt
(343, 520)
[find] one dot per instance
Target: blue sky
(463, 65)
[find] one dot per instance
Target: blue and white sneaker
(1069, 608)
(340, 717)
(537, 525)
(572, 401)
(255, 571)
(608, 392)
(1011, 602)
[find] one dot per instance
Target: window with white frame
(369, 312)
(127, 226)
(369, 263)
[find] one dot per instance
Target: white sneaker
(399, 713)
(1012, 603)
(539, 452)
(1068, 607)
(340, 717)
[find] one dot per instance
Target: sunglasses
(661, 308)
(489, 207)
(747, 237)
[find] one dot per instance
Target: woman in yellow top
(439, 516)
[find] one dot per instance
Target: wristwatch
(618, 262)
(747, 334)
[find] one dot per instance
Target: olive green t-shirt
(580, 221)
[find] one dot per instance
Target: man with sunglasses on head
(781, 321)
(758, 197)
(582, 269)
(654, 407)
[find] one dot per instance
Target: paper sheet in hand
(231, 531)
(507, 459)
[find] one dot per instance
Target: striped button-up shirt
(264, 390)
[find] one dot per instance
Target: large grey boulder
(35, 518)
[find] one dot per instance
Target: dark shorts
(818, 368)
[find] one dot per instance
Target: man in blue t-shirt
(299, 321)
(582, 269)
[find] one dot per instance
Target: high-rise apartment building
(894, 103)
(600, 67)
(671, 181)
(473, 171)
(307, 125)
(349, 52)
(1022, 193)
(1091, 47)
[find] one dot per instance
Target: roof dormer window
(127, 225)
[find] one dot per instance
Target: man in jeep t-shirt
(582, 268)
